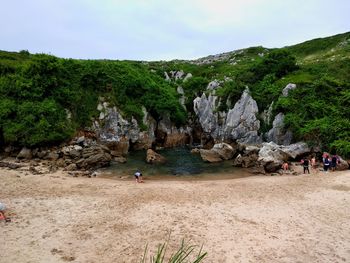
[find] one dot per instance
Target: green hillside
(37, 91)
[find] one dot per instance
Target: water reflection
(180, 163)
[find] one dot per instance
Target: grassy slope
(324, 58)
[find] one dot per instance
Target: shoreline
(59, 218)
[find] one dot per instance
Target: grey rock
(272, 156)
(278, 134)
(204, 109)
(213, 85)
(25, 153)
(188, 76)
(241, 121)
(225, 151)
(288, 88)
(219, 152)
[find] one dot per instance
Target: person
(2, 213)
(334, 162)
(138, 176)
(305, 163)
(285, 166)
(313, 164)
(326, 163)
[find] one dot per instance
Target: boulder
(154, 158)
(95, 156)
(72, 151)
(246, 161)
(195, 151)
(225, 151)
(219, 152)
(210, 156)
(95, 161)
(52, 156)
(296, 150)
(272, 156)
(25, 153)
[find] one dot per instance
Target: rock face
(278, 134)
(122, 135)
(204, 109)
(94, 157)
(239, 124)
(113, 127)
(170, 136)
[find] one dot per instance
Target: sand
(58, 218)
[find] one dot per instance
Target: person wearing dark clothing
(334, 162)
(305, 162)
(326, 164)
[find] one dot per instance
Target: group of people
(328, 163)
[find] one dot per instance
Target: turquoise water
(180, 163)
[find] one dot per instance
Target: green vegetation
(185, 254)
(38, 93)
(45, 99)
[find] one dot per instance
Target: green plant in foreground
(185, 254)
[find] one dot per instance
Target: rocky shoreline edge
(84, 156)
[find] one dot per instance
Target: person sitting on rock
(138, 176)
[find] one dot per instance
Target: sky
(163, 29)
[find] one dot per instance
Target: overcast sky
(164, 29)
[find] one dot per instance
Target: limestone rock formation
(278, 134)
(241, 123)
(288, 88)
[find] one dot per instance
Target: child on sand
(138, 176)
(313, 164)
(285, 166)
(2, 213)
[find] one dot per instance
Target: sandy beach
(59, 218)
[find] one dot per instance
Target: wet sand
(58, 218)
